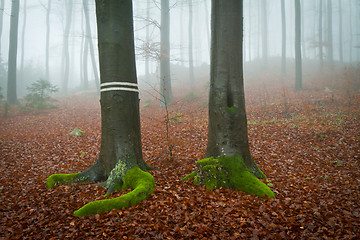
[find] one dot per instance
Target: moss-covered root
(141, 182)
(228, 172)
(60, 179)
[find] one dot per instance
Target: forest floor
(307, 143)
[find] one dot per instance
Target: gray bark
(341, 57)
(66, 56)
(120, 118)
(227, 131)
(264, 32)
(298, 60)
(47, 48)
(321, 54)
(283, 27)
(90, 42)
(165, 76)
(330, 53)
(191, 61)
(21, 79)
(12, 60)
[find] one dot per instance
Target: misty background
(262, 40)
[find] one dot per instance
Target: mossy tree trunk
(227, 133)
(120, 163)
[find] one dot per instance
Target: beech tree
(120, 164)
(228, 160)
(165, 77)
(283, 43)
(298, 59)
(13, 45)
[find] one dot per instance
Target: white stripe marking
(119, 89)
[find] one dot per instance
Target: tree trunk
(303, 44)
(283, 49)
(330, 34)
(90, 42)
(227, 133)
(22, 89)
(47, 48)
(264, 32)
(120, 162)
(147, 71)
(341, 57)
(298, 60)
(14, 23)
(165, 77)
(191, 61)
(2, 5)
(321, 55)
(66, 56)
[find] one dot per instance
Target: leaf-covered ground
(307, 143)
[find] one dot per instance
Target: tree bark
(330, 52)
(227, 132)
(21, 90)
(120, 118)
(47, 48)
(321, 54)
(2, 5)
(264, 32)
(298, 60)
(191, 61)
(66, 56)
(283, 32)
(165, 76)
(341, 57)
(12, 60)
(90, 44)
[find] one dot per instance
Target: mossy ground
(228, 172)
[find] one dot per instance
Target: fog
(345, 44)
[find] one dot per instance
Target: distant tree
(90, 43)
(165, 76)
(321, 53)
(47, 47)
(2, 5)
(12, 60)
(191, 60)
(341, 56)
(120, 163)
(65, 54)
(330, 52)
(264, 31)
(298, 60)
(23, 44)
(229, 162)
(283, 32)
(39, 94)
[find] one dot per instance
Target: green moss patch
(60, 179)
(228, 172)
(141, 182)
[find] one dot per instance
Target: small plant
(39, 94)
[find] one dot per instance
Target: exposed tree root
(141, 182)
(228, 172)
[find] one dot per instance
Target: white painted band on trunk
(119, 84)
(119, 89)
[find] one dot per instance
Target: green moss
(141, 182)
(60, 179)
(76, 132)
(231, 110)
(190, 176)
(228, 172)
